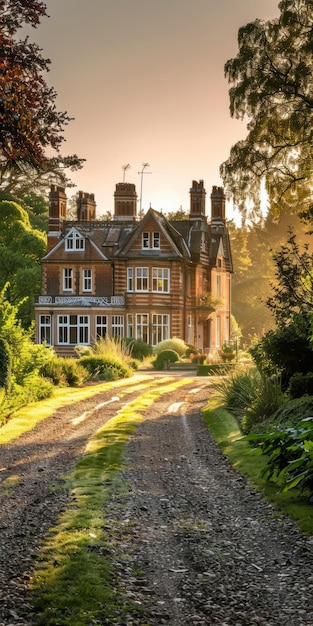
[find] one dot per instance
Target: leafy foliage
(30, 124)
(176, 344)
(21, 248)
(290, 453)
(163, 357)
(271, 82)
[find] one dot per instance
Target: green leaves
(290, 456)
(271, 82)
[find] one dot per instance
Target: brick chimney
(57, 214)
(86, 207)
(125, 202)
(218, 201)
(197, 199)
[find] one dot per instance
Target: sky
(144, 80)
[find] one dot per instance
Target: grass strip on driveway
(250, 462)
(73, 582)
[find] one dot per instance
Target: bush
(251, 396)
(175, 344)
(101, 368)
(289, 414)
(301, 385)
(5, 365)
(290, 453)
(138, 349)
(166, 355)
(64, 371)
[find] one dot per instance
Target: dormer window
(151, 241)
(74, 242)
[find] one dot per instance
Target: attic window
(151, 241)
(74, 241)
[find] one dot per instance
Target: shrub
(5, 365)
(289, 414)
(251, 396)
(138, 349)
(175, 344)
(166, 355)
(101, 368)
(290, 453)
(301, 385)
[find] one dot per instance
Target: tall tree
(21, 248)
(272, 87)
(30, 125)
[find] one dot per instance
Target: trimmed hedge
(213, 369)
(163, 357)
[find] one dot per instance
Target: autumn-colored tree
(271, 82)
(30, 125)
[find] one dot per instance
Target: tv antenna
(124, 168)
(142, 172)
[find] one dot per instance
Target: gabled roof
(220, 245)
(172, 235)
(91, 251)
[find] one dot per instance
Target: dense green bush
(252, 397)
(64, 371)
(290, 456)
(301, 385)
(104, 368)
(138, 349)
(175, 344)
(5, 365)
(286, 350)
(289, 414)
(163, 357)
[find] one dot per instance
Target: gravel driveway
(192, 543)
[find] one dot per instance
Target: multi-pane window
(45, 329)
(156, 240)
(130, 281)
(142, 279)
(160, 279)
(130, 325)
(151, 240)
(160, 328)
(142, 327)
(87, 280)
(118, 325)
(145, 240)
(74, 241)
(101, 325)
(73, 329)
(67, 279)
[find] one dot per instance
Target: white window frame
(145, 240)
(74, 242)
(102, 326)
(130, 325)
(73, 329)
(142, 278)
(150, 240)
(142, 327)
(160, 327)
(130, 279)
(68, 279)
(160, 279)
(118, 326)
(45, 329)
(87, 279)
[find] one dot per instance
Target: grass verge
(249, 462)
(73, 583)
